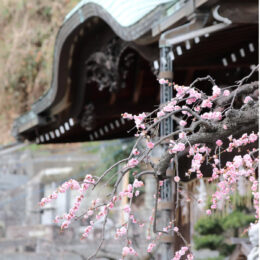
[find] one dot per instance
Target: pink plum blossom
(212, 116)
(208, 212)
(181, 253)
(182, 135)
(150, 247)
(127, 209)
(174, 148)
(168, 108)
(247, 99)
(138, 184)
(176, 178)
(176, 229)
(139, 120)
(216, 91)
(120, 232)
(87, 231)
(163, 81)
(219, 142)
(160, 114)
(57, 219)
(132, 163)
(150, 145)
(136, 152)
(65, 224)
(127, 116)
(206, 103)
(128, 251)
(253, 137)
(226, 93)
(190, 257)
(197, 108)
(183, 123)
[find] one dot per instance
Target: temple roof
(106, 58)
(124, 12)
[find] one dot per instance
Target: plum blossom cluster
(193, 94)
(129, 192)
(132, 163)
(242, 141)
(120, 232)
(229, 177)
(190, 96)
(169, 228)
(198, 152)
(138, 184)
(73, 185)
(176, 147)
(87, 231)
(139, 119)
(178, 254)
(181, 253)
(128, 251)
(215, 116)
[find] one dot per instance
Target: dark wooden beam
(189, 76)
(138, 88)
(213, 67)
(112, 99)
(240, 12)
(115, 111)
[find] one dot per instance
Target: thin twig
(209, 78)
(109, 169)
(240, 82)
(105, 220)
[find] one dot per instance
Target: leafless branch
(240, 82)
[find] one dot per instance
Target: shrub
(237, 219)
(207, 225)
(212, 241)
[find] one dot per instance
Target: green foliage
(237, 219)
(212, 241)
(221, 257)
(209, 225)
(226, 249)
(213, 229)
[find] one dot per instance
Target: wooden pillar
(166, 127)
